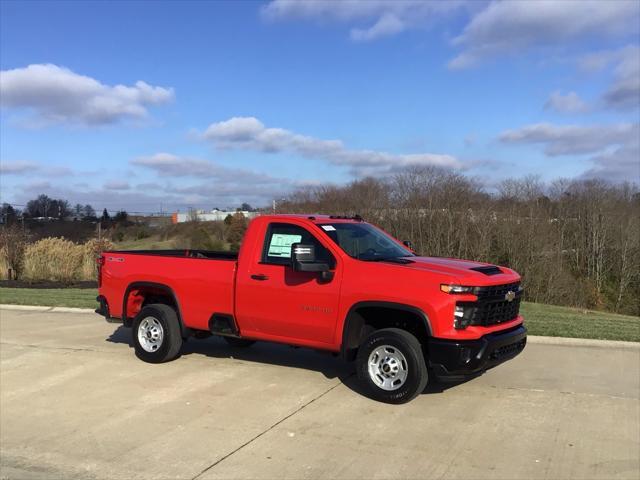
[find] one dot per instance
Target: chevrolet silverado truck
(330, 283)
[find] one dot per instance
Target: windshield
(364, 242)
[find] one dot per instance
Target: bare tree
(574, 242)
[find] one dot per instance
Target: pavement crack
(250, 441)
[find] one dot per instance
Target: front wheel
(391, 366)
(156, 334)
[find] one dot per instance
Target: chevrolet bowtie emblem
(510, 296)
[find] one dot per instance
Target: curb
(565, 341)
(37, 308)
(582, 342)
(29, 308)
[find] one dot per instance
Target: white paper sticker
(328, 228)
(280, 245)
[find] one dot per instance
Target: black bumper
(457, 360)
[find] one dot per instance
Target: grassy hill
(540, 319)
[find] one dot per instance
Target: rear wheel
(156, 334)
(391, 366)
(239, 342)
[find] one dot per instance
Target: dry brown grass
(12, 245)
(92, 250)
(58, 259)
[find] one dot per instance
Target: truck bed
(202, 281)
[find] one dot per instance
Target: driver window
(280, 237)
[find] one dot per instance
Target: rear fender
(134, 297)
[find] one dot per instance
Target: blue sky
(149, 105)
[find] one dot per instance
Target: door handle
(260, 276)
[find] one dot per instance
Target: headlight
(455, 288)
(459, 321)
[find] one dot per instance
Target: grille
(496, 291)
(492, 308)
(507, 350)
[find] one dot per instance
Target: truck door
(282, 303)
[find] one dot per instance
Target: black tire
(239, 342)
(416, 368)
(169, 348)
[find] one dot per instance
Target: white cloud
(54, 94)
(248, 133)
(19, 167)
(614, 149)
(150, 197)
(29, 168)
(169, 165)
(569, 103)
(624, 91)
(117, 185)
(382, 17)
(619, 165)
(37, 186)
(509, 27)
(573, 139)
(387, 25)
(233, 184)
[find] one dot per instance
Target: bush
(235, 231)
(142, 233)
(61, 260)
(54, 259)
(92, 249)
(200, 239)
(12, 245)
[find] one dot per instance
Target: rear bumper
(103, 310)
(457, 360)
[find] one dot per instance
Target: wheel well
(363, 320)
(137, 296)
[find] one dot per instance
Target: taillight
(100, 262)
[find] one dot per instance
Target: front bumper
(456, 360)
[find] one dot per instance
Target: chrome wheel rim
(150, 334)
(388, 368)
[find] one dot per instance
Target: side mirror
(408, 244)
(303, 259)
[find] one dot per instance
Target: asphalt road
(76, 402)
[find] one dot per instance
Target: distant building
(214, 215)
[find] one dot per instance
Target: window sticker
(328, 228)
(280, 245)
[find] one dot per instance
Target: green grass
(554, 321)
(54, 297)
(540, 319)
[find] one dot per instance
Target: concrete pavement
(74, 401)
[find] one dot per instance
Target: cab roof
(317, 218)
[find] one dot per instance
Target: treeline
(576, 243)
(45, 207)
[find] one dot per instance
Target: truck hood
(465, 272)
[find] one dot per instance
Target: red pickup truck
(330, 283)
